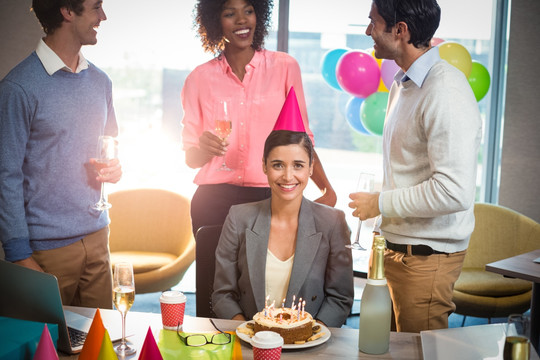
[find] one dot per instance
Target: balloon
(373, 111)
(389, 68)
(382, 87)
(456, 55)
(352, 110)
(328, 67)
(372, 53)
(479, 80)
(436, 41)
(358, 73)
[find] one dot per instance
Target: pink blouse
(256, 103)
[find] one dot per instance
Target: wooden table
(343, 344)
(523, 267)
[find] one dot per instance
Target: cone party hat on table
(45, 349)
(290, 117)
(94, 339)
(150, 350)
(107, 350)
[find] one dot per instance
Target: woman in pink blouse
(256, 82)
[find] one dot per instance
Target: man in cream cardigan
(431, 137)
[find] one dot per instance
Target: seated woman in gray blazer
(285, 246)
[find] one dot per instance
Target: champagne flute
(365, 184)
(517, 345)
(107, 150)
(223, 125)
(123, 296)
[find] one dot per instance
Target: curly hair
(208, 23)
(49, 15)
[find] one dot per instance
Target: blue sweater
(49, 129)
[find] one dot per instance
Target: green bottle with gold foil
(376, 306)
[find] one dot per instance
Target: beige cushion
(151, 228)
(483, 283)
(143, 261)
(499, 233)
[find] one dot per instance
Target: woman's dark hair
(286, 137)
(208, 23)
(421, 16)
(49, 15)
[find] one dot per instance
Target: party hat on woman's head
(290, 117)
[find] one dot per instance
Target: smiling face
(85, 24)
(288, 170)
(384, 43)
(238, 22)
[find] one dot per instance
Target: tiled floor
(150, 303)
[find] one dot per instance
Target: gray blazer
(322, 270)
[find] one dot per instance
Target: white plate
(319, 341)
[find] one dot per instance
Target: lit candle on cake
(272, 306)
(292, 304)
(283, 303)
(303, 307)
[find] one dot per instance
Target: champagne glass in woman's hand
(107, 150)
(223, 125)
(365, 184)
(124, 296)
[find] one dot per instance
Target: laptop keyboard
(76, 337)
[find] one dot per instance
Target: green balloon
(479, 80)
(373, 112)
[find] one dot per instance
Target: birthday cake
(293, 325)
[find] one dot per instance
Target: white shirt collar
(420, 68)
(52, 62)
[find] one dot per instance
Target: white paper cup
(266, 345)
(173, 306)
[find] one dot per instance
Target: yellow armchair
(499, 233)
(151, 229)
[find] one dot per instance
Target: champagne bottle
(375, 307)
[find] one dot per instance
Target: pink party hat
(150, 350)
(290, 117)
(45, 349)
(94, 339)
(107, 350)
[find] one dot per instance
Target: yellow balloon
(456, 55)
(382, 87)
(379, 61)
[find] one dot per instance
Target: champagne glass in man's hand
(123, 296)
(365, 184)
(107, 150)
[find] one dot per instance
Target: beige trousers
(421, 288)
(83, 270)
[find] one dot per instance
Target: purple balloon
(389, 68)
(358, 73)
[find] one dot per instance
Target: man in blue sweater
(53, 107)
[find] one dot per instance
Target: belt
(423, 250)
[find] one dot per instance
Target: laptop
(32, 295)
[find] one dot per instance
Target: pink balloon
(389, 68)
(436, 41)
(358, 73)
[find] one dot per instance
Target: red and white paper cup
(267, 345)
(173, 305)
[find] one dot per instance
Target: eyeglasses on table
(220, 338)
